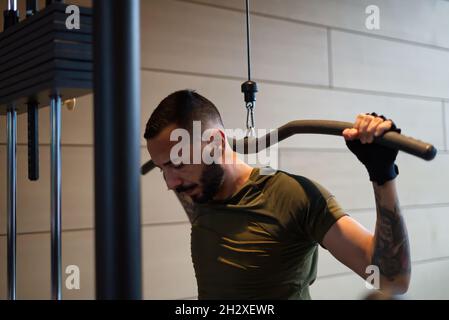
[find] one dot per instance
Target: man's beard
(211, 181)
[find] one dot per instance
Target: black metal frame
(117, 149)
(36, 68)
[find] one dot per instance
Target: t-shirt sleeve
(323, 215)
(321, 212)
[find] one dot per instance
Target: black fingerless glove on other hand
(378, 160)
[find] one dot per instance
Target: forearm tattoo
(391, 248)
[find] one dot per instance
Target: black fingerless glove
(378, 160)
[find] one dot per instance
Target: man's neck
(235, 176)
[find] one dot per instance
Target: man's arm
(390, 252)
(388, 248)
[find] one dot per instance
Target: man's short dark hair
(182, 108)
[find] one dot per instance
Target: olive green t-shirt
(262, 242)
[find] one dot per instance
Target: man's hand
(367, 127)
(378, 160)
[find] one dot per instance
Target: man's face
(200, 182)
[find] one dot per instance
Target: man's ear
(221, 135)
(223, 139)
(215, 141)
(220, 142)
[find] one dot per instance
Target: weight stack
(41, 57)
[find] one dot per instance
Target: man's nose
(172, 180)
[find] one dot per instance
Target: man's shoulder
(283, 186)
(296, 187)
(294, 182)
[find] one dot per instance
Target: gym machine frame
(43, 63)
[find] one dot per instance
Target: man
(256, 236)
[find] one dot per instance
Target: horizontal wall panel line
(170, 223)
(319, 25)
(333, 150)
(430, 260)
(188, 298)
(144, 225)
(287, 149)
(41, 232)
(259, 14)
(299, 85)
(390, 94)
(404, 207)
(186, 222)
(366, 210)
(67, 145)
(414, 263)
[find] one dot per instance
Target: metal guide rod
(12, 5)
(10, 18)
(11, 201)
(55, 150)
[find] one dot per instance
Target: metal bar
(12, 201)
(117, 150)
(55, 150)
(33, 141)
(10, 16)
(32, 7)
(49, 2)
(248, 39)
(12, 5)
(390, 139)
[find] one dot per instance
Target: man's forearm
(391, 251)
